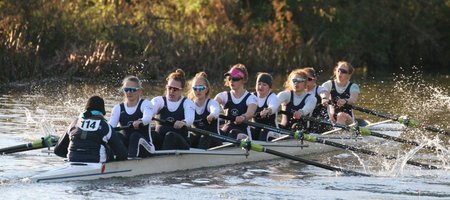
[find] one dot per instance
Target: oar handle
(129, 125)
(368, 111)
(372, 112)
(358, 130)
(119, 128)
(295, 135)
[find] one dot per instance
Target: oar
(263, 126)
(312, 138)
(48, 141)
(259, 148)
(404, 120)
(119, 128)
(367, 132)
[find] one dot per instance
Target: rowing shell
(179, 160)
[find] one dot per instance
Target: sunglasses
(298, 80)
(343, 71)
(130, 89)
(234, 78)
(199, 88)
(175, 89)
(310, 79)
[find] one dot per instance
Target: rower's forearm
(352, 100)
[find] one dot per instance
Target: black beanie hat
(265, 78)
(96, 103)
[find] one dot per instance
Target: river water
(30, 110)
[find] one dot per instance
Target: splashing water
(361, 161)
(423, 101)
(442, 153)
(43, 124)
(400, 164)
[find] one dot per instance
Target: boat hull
(186, 160)
(171, 163)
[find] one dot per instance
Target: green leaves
(47, 38)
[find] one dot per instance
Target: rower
(295, 101)
(267, 108)
(135, 114)
(342, 93)
(90, 138)
(237, 103)
(207, 112)
(320, 111)
(175, 108)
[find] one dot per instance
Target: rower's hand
(137, 123)
(325, 101)
(341, 102)
(179, 124)
(239, 119)
(265, 113)
(332, 119)
(210, 119)
(297, 114)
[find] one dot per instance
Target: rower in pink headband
(235, 73)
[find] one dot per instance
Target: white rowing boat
(178, 160)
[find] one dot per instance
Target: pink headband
(235, 73)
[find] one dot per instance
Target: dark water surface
(29, 111)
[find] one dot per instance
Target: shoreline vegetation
(112, 38)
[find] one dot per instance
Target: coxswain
(90, 138)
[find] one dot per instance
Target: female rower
(207, 112)
(135, 113)
(318, 91)
(295, 101)
(237, 103)
(343, 94)
(174, 108)
(267, 107)
(90, 138)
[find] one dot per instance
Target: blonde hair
(199, 76)
(133, 79)
(177, 75)
(296, 72)
(350, 67)
(241, 68)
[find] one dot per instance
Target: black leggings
(174, 140)
(232, 130)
